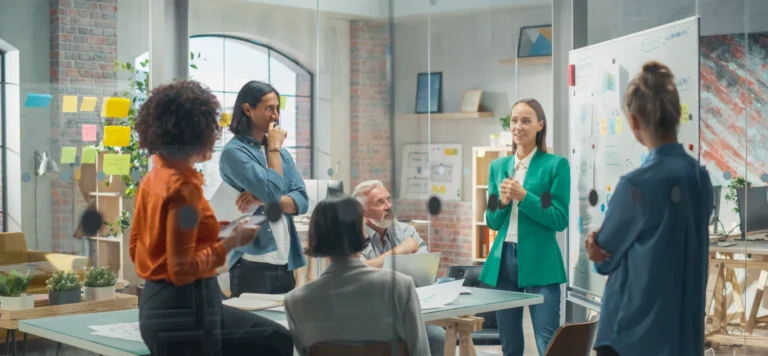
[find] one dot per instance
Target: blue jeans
(436, 339)
(545, 316)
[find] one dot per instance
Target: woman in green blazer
(529, 193)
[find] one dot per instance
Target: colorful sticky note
(618, 125)
(89, 155)
(282, 103)
(88, 132)
(603, 127)
(612, 126)
(455, 152)
(116, 107)
(88, 104)
(77, 174)
(116, 164)
(69, 103)
(68, 155)
(117, 136)
(684, 113)
(225, 119)
(438, 189)
(38, 100)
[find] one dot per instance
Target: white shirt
(521, 168)
(282, 234)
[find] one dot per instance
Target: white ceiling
(401, 8)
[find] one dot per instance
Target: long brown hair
(541, 136)
(652, 99)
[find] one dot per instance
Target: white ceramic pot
(23, 302)
(99, 293)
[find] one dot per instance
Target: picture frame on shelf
(429, 93)
(470, 100)
(535, 41)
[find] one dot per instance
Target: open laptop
(422, 267)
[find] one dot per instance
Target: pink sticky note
(89, 133)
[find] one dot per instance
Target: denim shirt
(243, 166)
(656, 233)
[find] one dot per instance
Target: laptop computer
(422, 267)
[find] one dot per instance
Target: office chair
(573, 339)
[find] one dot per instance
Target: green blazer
(539, 259)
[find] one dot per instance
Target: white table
(73, 330)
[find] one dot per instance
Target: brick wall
(303, 124)
(370, 136)
(83, 52)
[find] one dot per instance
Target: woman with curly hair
(174, 237)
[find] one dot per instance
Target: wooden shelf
(106, 194)
(478, 260)
(526, 61)
(448, 116)
(481, 187)
(108, 239)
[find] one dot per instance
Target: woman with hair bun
(654, 241)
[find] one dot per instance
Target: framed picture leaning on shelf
(470, 101)
(429, 93)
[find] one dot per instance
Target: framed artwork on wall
(429, 93)
(535, 41)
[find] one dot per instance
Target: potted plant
(505, 135)
(736, 184)
(63, 288)
(99, 284)
(12, 288)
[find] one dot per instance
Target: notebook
(253, 301)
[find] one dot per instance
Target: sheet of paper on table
(253, 301)
(439, 295)
(124, 331)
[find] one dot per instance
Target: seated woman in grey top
(352, 303)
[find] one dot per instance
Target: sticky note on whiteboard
(89, 155)
(117, 136)
(618, 125)
(116, 107)
(684, 113)
(88, 132)
(116, 164)
(603, 127)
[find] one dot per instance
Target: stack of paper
(223, 204)
(124, 331)
(252, 301)
(439, 295)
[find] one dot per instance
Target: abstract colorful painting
(734, 106)
(535, 41)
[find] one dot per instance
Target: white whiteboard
(431, 170)
(603, 147)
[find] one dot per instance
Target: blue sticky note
(38, 100)
(612, 126)
(602, 207)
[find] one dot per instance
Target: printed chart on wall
(431, 170)
(603, 147)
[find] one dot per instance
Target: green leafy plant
(63, 281)
(732, 194)
(100, 277)
(14, 284)
(504, 122)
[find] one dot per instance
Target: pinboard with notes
(603, 146)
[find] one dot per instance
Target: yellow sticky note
(117, 136)
(225, 119)
(89, 155)
(282, 103)
(68, 154)
(88, 104)
(116, 107)
(116, 164)
(603, 127)
(77, 174)
(618, 125)
(69, 103)
(684, 114)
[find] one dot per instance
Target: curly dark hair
(179, 120)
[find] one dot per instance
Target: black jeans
(606, 351)
(264, 278)
(190, 320)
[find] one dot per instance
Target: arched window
(225, 63)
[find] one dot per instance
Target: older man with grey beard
(389, 236)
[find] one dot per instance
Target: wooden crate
(9, 319)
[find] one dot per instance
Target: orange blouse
(174, 233)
